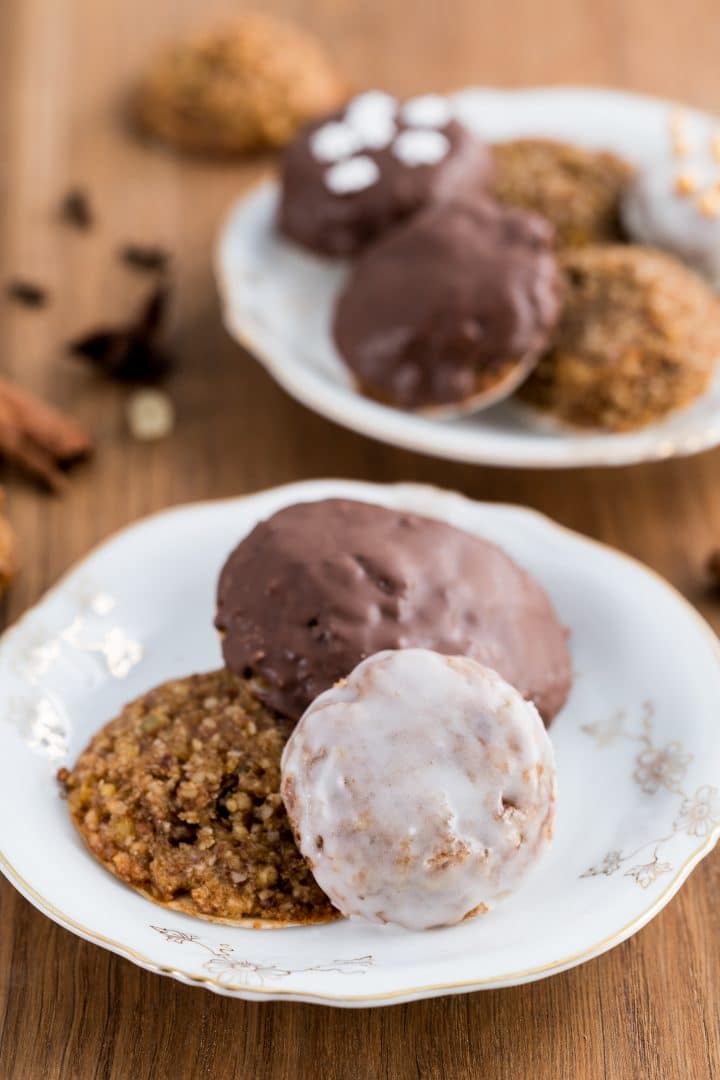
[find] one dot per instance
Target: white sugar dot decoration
(353, 174)
(378, 134)
(334, 141)
(430, 110)
(372, 117)
(373, 101)
(420, 147)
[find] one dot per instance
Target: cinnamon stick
(37, 436)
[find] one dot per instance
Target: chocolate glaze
(319, 586)
(444, 306)
(330, 224)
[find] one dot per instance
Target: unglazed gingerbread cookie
(421, 789)
(347, 179)
(319, 586)
(240, 88)
(450, 311)
(179, 798)
(639, 336)
(578, 190)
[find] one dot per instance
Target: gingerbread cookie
(319, 586)
(450, 312)
(349, 178)
(240, 88)
(577, 190)
(639, 336)
(179, 798)
(421, 789)
(675, 205)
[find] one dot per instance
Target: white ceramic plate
(638, 752)
(278, 302)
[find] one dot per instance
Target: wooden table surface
(650, 1007)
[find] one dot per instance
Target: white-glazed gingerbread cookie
(674, 203)
(420, 789)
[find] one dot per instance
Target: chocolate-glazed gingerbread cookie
(452, 309)
(350, 177)
(319, 586)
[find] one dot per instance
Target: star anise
(130, 353)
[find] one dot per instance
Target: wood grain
(648, 1009)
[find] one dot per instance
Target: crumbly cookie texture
(243, 87)
(639, 336)
(578, 190)
(179, 797)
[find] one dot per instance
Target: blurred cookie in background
(245, 86)
(638, 337)
(675, 205)
(348, 179)
(578, 190)
(450, 312)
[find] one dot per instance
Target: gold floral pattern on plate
(655, 768)
(223, 963)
